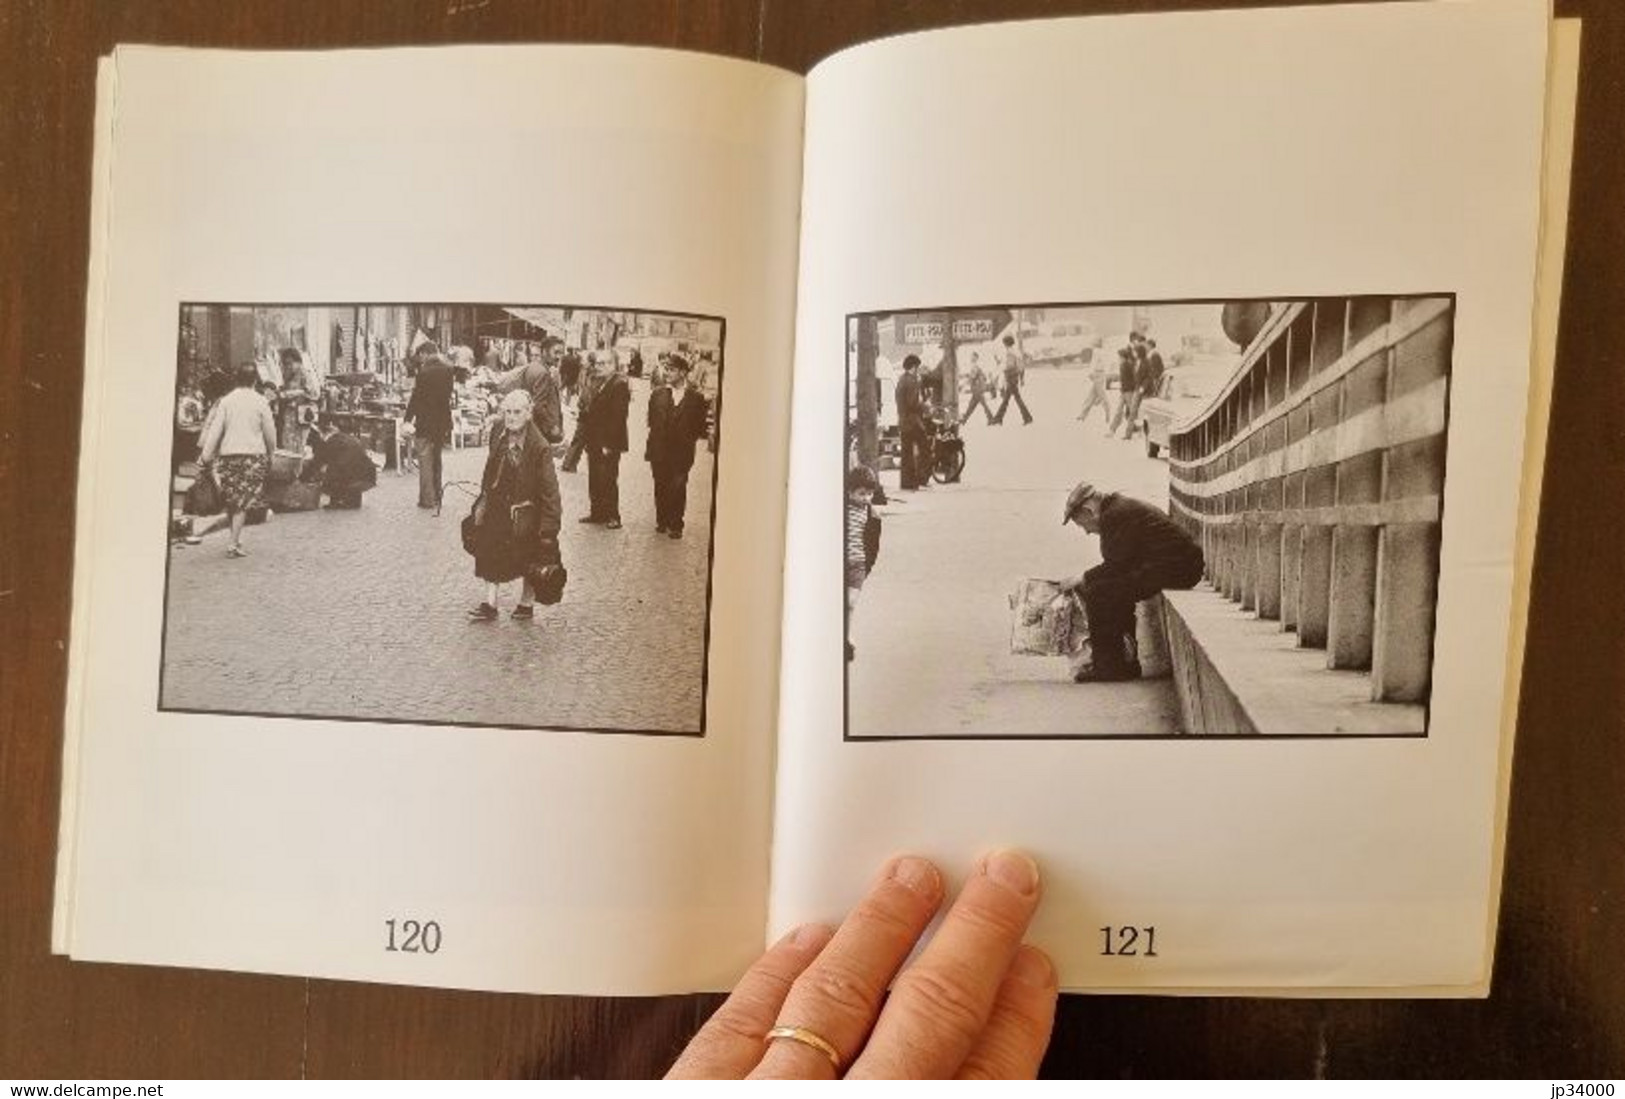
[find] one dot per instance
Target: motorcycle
(945, 450)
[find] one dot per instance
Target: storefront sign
(972, 327)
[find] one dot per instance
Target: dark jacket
(674, 429)
(1128, 371)
(1137, 537)
(538, 484)
(430, 405)
(339, 460)
(910, 404)
(604, 419)
(1150, 374)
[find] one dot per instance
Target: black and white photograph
(443, 514)
(1145, 519)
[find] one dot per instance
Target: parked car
(1181, 393)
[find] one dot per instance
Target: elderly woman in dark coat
(516, 522)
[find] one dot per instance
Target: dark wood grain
(1557, 1008)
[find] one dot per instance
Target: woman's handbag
(203, 498)
(471, 524)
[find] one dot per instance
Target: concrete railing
(1315, 478)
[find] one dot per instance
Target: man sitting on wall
(341, 464)
(1143, 551)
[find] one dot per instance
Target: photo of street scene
(1145, 519)
(447, 514)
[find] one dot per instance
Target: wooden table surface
(1558, 1008)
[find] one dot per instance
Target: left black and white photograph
(443, 514)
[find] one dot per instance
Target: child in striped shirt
(862, 537)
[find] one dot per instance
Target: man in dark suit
(429, 410)
(603, 431)
(677, 416)
(341, 464)
(911, 425)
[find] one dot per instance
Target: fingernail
(809, 936)
(1032, 967)
(1013, 870)
(918, 874)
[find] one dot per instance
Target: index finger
(940, 1004)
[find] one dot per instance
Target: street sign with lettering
(971, 326)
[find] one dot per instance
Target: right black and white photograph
(1145, 519)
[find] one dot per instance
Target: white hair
(517, 400)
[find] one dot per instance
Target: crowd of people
(1139, 374)
(513, 528)
(512, 532)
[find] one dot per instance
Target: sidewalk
(932, 627)
(360, 614)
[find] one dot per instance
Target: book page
(1158, 433)
(430, 517)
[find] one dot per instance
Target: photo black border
(848, 356)
(711, 548)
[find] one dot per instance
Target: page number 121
(1128, 942)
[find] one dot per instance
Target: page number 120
(412, 937)
(1128, 942)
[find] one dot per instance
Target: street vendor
(341, 464)
(1143, 552)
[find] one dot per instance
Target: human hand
(976, 1003)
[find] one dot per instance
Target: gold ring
(807, 1038)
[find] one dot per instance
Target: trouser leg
(1131, 411)
(912, 474)
(1109, 598)
(657, 473)
(595, 485)
(679, 498)
(572, 454)
(428, 455)
(1026, 416)
(609, 477)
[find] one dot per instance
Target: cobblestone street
(360, 614)
(932, 626)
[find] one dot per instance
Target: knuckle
(941, 1001)
(887, 912)
(838, 987)
(997, 915)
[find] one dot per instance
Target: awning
(550, 321)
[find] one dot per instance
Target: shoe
(1097, 673)
(524, 612)
(236, 551)
(661, 528)
(483, 613)
(674, 533)
(612, 524)
(589, 519)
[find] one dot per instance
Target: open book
(552, 518)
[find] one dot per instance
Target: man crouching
(1142, 552)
